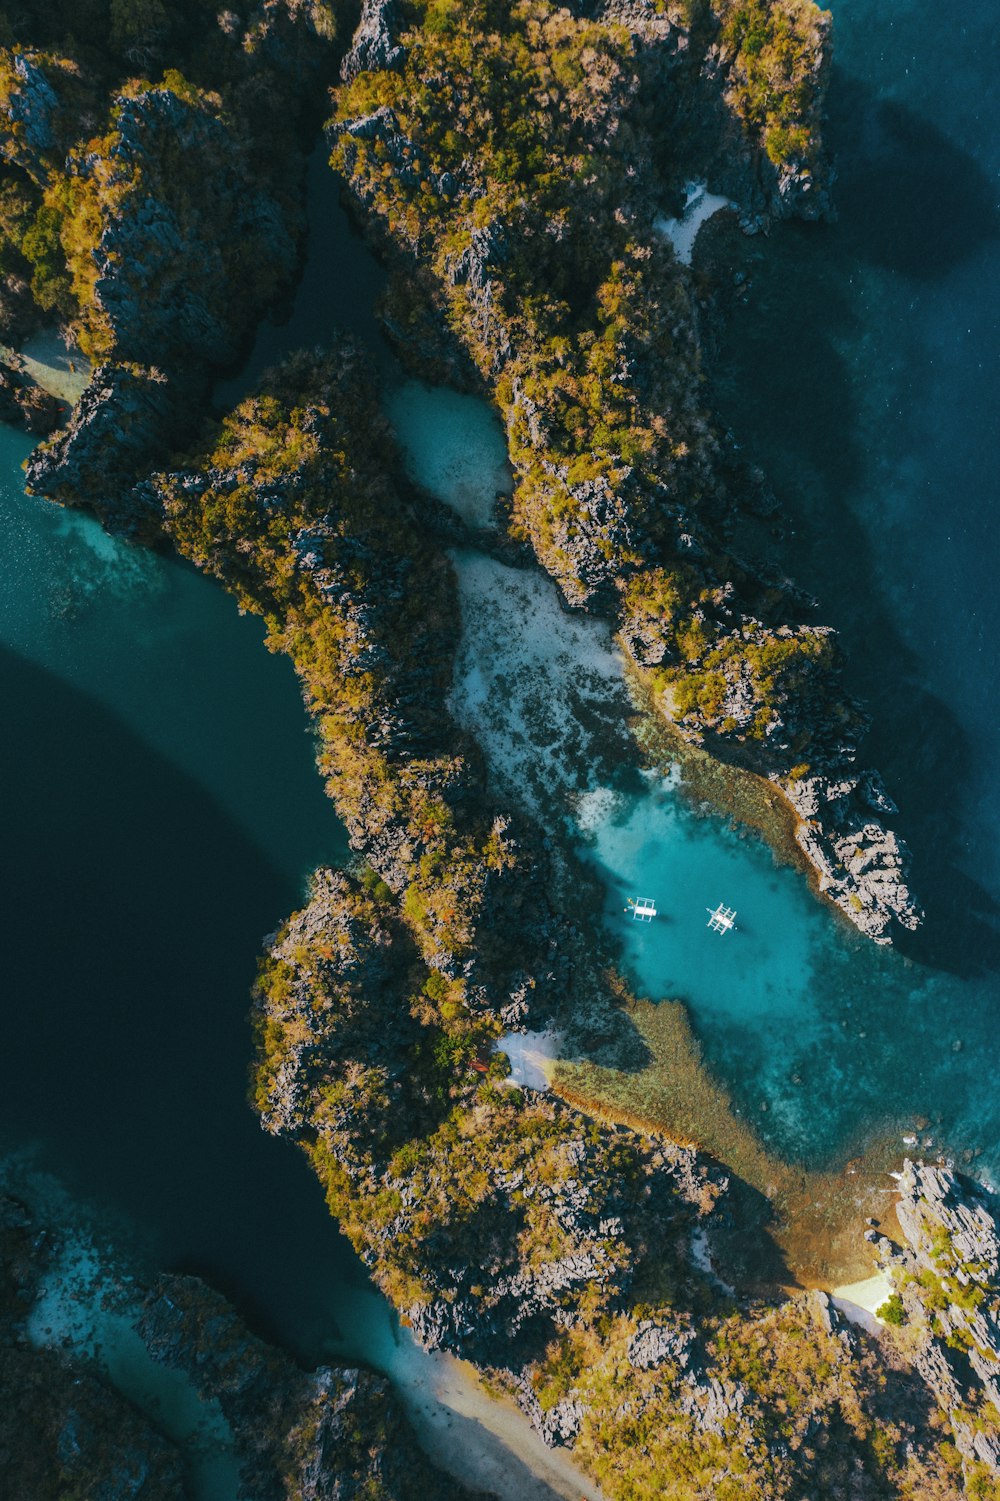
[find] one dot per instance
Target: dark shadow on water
(916, 202)
(929, 759)
(133, 911)
(791, 367)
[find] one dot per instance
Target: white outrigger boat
(722, 919)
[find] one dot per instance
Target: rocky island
(510, 164)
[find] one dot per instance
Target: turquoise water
(453, 444)
(861, 374)
(821, 1036)
(161, 815)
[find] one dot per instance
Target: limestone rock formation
(375, 43)
(861, 865)
(125, 418)
(948, 1278)
(24, 403)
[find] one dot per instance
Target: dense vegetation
(517, 155)
(520, 155)
(151, 165)
(504, 1224)
(292, 508)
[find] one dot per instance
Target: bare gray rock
(376, 40)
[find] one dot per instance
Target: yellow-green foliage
(773, 78)
(774, 671)
(527, 108)
(459, 1206)
(168, 146)
(298, 518)
(803, 1420)
(432, 1169)
(511, 154)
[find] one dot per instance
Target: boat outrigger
(643, 908)
(722, 919)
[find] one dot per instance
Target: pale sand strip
(858, 1301)
(485, 1442)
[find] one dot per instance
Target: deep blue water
(161, 813)
(862, 373)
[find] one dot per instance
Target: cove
(824, 1040)
(153, 840)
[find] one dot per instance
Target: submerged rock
(64, 1429)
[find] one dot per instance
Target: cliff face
(525, 195)
(947, 1307)
(492, 1217)
(160, 221)
(64, 1433)
(156, 221)
(293, 509)
(332, 1434)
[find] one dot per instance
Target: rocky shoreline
(946, 1303)
(332, 1434)
(628, 539)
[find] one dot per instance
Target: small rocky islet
(508, 162)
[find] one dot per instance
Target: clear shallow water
(822, 1037)
(454, 445)
(87, 1307)
(162, 812)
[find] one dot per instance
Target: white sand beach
(61, 371)
(531, 1055)
(858, 1301)
(699, 206)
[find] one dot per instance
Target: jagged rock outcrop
(654, 1343)
(376, 40)
(861, 865)
(947, 1276)
(767, 699)
(164, 261)
(64, 1430)
(35, 88)
(331, 1434)
(493, 1215)
(126, 417)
